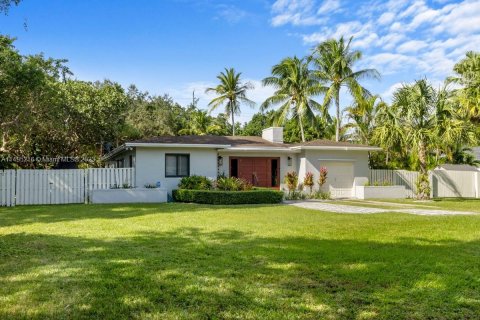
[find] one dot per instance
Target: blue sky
(177, 46)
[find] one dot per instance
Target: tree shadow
(190, 273)
(21, 215)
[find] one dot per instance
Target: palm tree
(468, 76)
(295, 86)
(388, 132)
(334, 61)
(362, 116)
(231, 92)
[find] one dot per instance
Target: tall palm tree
(231, 92)
(295, 86)
(334, 61)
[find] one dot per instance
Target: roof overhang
(259, 149)
(177, 145)
(336, 148)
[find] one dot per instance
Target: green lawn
(181, 261)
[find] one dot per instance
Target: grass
(182, 261)
(456, 204)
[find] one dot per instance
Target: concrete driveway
(342, 208)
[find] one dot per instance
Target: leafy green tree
(231, 92)
(258, 122)
(295, 86)
(334, 61)
(154, 115)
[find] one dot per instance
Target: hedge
(227, 197)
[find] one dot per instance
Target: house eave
(259, 149)
(336, 148)
(177, 145)
(114, 152)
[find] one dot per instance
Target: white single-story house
(263, 161)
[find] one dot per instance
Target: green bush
(232, 184)
(228, 197)
(195, 183)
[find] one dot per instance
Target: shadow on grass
(21, 215)
(230, 274)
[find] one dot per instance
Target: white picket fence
(26, 187)
(443, 183)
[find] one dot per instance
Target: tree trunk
(233, 124)
(337, 129)
(301, 129)
(423, 185)
(422, 157)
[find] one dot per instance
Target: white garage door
(340, 173)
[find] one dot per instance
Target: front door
(261, 172)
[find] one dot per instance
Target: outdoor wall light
(289, 161)
(220, 161)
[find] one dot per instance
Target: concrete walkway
(341, 208)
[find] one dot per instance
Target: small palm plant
(291, 180)
(322, 179)
(308, 181)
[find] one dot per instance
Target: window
(177, 165)
(130, 161)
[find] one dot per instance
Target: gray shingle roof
(241, 141)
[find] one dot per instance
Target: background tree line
(44, 111)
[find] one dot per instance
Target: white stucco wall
(311, 160)
(284, 167)
(150, 165)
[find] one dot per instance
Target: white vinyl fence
(7, 188)
(25, 187)
(448, 183)
(443, 183)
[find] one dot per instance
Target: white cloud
(459, 19)
(295, 12)
(388, 94)
(388, 63)
(231, 13)
(329, 6)
(386, 18)
(411, 46)
(415, 35)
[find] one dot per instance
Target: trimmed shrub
(228, 197)
(195, 183)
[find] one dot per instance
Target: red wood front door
(257, 171)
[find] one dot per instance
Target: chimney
(273, 134)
